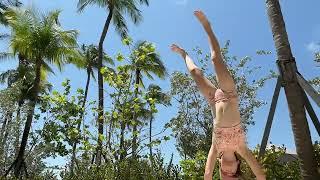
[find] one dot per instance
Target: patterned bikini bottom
(229, 138)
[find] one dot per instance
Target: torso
(228, 131)
(226, 109)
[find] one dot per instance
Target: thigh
(223, 75)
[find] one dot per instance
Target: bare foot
(201, 17)
(177, 49)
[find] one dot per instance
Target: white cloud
(313, 47)
(181, 2)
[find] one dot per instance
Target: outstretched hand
(177, 49)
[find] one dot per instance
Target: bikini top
(222, 96)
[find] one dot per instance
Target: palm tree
(144, 60)
(41, 40)
(154, 93)
(87, 59)
(116, 10)
(293, 92)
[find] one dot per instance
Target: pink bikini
(227, 138)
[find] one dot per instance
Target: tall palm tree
(41, 40)
(154, 93)
(116, 10)
(144, 61)
(87, 59)
(293, 92)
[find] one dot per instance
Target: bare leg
(205, 86)
(224, 77)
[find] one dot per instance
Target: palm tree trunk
(18, 120)
(2, 133)
(74, 146)
(100, 85)
(4, 137)
(19, 162)
(293, 92)
(135, 125)
(150, 134)
(3, 128)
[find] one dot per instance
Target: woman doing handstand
(228, 137)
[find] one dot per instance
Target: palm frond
(82, 4)
(93, 76)
(4, 36)
(144, 114)
(43, 74)
(52, 18)
(15, 3)
(146, 2)
(152, 63)
(155, 92)
(129, 7)
(120, 24)
(4, 5)
(6, 75)
(40, 38)
(157, 67)
(4, 56)
(47, 68)
(108, 59)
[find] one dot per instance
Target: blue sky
(244, 22)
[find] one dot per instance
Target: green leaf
(120, 57)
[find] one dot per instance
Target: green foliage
(316, 80)
(277, 164)
(87, 58)
(145, 60)
(194, 168)
(316, 147)
(133, 107)
(128, 169)
(40, 37)
(63, 117)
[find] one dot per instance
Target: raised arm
(204, 85)
(252, 162)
